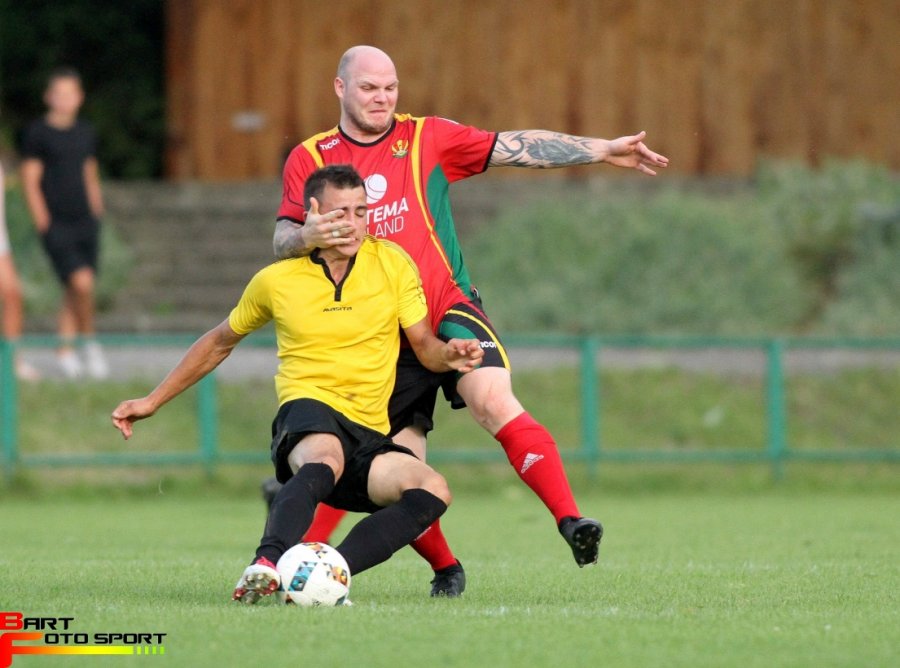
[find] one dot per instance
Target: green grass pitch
(715, 578)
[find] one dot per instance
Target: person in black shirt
(60, 179)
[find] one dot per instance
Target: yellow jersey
(337, 343)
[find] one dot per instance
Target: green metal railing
(777, 451)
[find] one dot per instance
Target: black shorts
(298, 418)
(415, 390)
(72, 245)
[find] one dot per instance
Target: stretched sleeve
(462, 150)
(32, 144)
(255, 306)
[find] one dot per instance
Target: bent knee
(81, 280)
(436, 484)
(494, 410)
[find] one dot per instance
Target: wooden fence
(717, 83)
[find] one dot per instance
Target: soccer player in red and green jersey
(408, 163)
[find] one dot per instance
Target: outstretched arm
(544, 149)
(461, 355)
(205, 355)
(296, 240)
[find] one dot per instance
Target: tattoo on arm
(542, 149)
(288, 242)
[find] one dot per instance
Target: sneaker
(95, 360)
(259, 579)
(69, 364)
(449, 582)
(270, 487)
(583, 536)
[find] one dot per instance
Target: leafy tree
(117, 47)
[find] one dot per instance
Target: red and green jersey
(407, 172)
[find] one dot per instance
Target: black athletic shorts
(415, 389)
(296, 419)
(72, 245)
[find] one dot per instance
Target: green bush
(839, 226)
(795, 252)
(117, 47)
(670, 263)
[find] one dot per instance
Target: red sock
(432, 547)
(323, 525)
(533, 454)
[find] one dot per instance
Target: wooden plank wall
(717, 83)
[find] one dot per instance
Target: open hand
(463, 355)
(324, 230)
(631, 152)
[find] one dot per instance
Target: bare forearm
(431, 353)
(288, 240)
(544, 149)
(37, 205)
(202, 357)
(32, 172)
(462, 355)
(92, 186)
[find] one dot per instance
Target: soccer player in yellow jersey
(409, 163)
(338, 315)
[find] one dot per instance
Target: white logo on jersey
(334, 142)
(376, 187)
(387, 219)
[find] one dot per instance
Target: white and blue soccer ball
(313, 574)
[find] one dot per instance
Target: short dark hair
(64, 72)
(339, 176)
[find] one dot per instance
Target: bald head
(366, 59)
(367, 86)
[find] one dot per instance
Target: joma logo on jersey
(400, 148)
(387, 219)
(334, 142)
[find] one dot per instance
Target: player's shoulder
(311, 148)
(319, 137)
(34, 138)
(280, 268)
(389, 251)
(409, 119)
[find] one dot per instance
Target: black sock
(375, 538)
(293, 508)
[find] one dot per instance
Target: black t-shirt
(63, 154)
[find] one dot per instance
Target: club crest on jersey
(400, 148)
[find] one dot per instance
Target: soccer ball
(313, 574)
